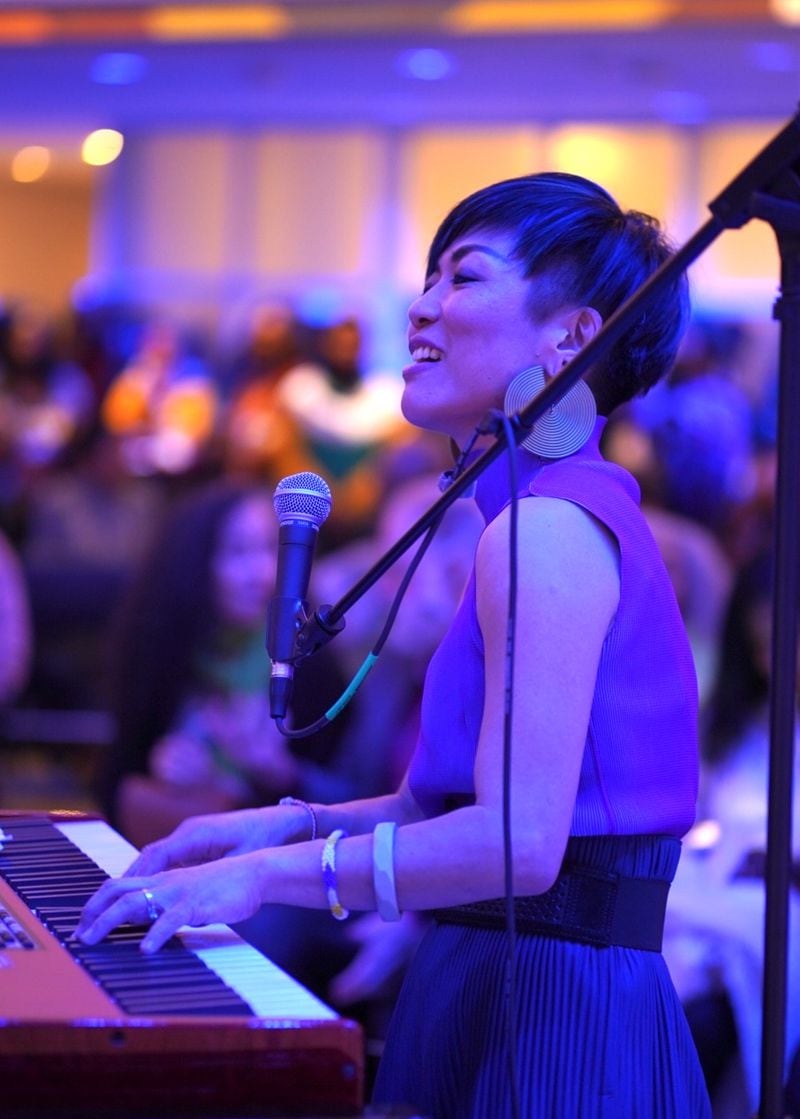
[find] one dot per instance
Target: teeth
(426, 353)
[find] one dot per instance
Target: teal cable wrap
(352, 688)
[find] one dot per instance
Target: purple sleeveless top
(639, 770)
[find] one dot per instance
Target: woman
(603, 766)
(190, 674)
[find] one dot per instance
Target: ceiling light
(101, 147)
(217, 21)
(30, 164)
(118, 68)
(427, 64)
(487, 16)
(787, 11)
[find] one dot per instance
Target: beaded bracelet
(303, 804)
(383, 871)
(329, 874)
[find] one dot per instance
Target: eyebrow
(465, 250)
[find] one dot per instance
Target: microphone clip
(317, 631)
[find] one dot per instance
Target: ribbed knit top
(639, 769)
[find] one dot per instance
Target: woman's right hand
(203, 839)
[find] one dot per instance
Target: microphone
(302, 502)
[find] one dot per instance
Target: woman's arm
(567, 596)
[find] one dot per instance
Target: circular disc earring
(562, 429)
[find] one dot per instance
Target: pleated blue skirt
(598, 1033)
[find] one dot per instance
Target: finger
(98, 903)
(159, 933)
(152, 859)
(129, 908)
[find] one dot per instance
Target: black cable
(508, 712)
(366, 666)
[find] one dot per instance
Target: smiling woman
(600, 761)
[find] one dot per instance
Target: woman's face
(244, 562)
(470, 331)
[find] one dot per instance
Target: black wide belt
(584, 904)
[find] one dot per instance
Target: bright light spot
(427, 64)
(216, 21)
(101, 147)
(787, 11)
(703, 836)
(586, 153)
(30, 164)
(118, 68)
(486, 16)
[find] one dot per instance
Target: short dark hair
(571, 232)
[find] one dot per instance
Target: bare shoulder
(561, 547)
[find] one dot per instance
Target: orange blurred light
(485, 16)
(30, 163)
(217, 21)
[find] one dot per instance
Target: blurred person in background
(327, 414)
(163, 405)
(16, 632)
(16, 636)
(87, 524)
(47, 402)
(257, 437)
(699, 423)
(714, 933)
(190, 673)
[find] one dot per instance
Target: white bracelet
(329, 874)
(383, 871)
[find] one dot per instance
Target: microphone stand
(767, 188)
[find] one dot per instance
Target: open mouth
(426, 353)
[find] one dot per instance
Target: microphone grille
(302, 497)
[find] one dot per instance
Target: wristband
(383, 871)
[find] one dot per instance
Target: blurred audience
(326, 414)
(47, 401)
(16, 631)
(87, 524)
(257, 438)
(701, 424)
(702, 575)
(190, 673)
(714, 938)
(698, 429)
(163, 404)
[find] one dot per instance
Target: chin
(429, 419)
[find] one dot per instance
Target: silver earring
(562, 429)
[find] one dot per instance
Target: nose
(424, 309)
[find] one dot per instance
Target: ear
(580, 326)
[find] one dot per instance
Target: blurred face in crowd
(244, 562)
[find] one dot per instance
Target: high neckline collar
(492, 491)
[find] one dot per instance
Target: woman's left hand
(227, 890)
